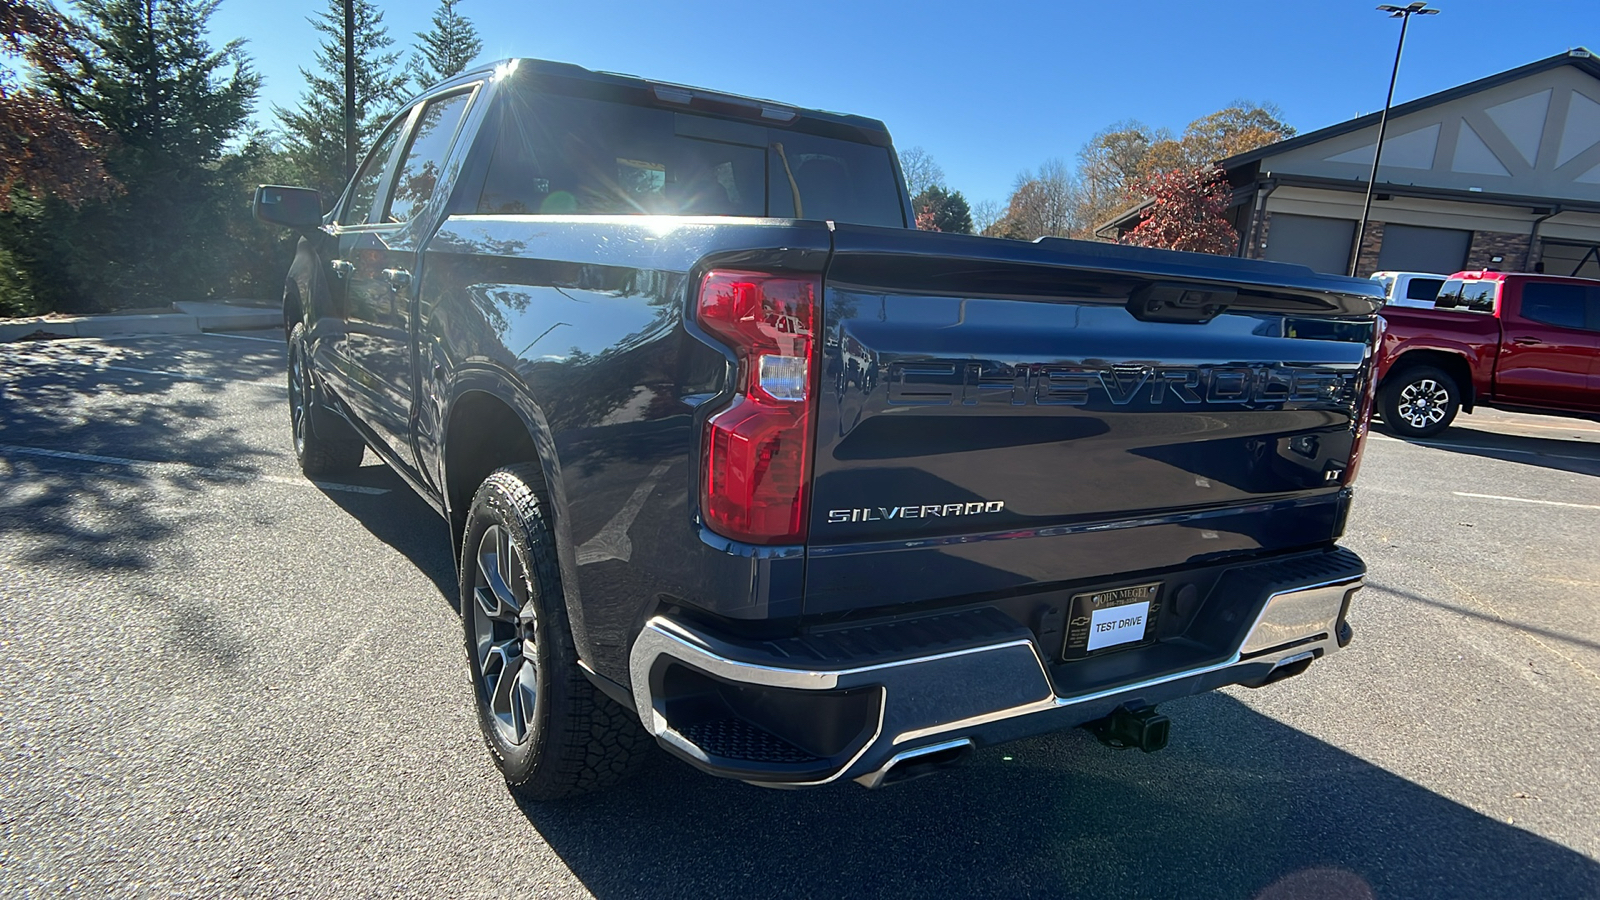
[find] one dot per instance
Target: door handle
(341, 267)
(397, 278)
(1527, 341)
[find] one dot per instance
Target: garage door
(1560, 259)
(1323, 244)
(1408, 248)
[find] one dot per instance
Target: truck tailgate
(993, 417)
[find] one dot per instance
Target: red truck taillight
(758, 449)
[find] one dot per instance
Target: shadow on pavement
(1578, 457)
(1495, 620)
(64, 398)
(402, 520)
(1240, 806)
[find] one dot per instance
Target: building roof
(1578, 57)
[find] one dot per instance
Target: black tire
(317, 455)
(552, 732)
(1420, 401)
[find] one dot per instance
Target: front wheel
(316, 455)
(552, 733)
(1420, 402)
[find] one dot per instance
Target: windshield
(561, 155)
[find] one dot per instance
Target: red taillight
(1369, 398)
(758, 449)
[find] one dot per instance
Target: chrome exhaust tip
(917, 763)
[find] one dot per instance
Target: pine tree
(314, 131)
(447, 49)
(149, 75)
(145, 72)
(941, 209)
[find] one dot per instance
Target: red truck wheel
(1420, 402)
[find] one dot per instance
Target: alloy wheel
(298, 380)
(1423, 403)
(503, 630)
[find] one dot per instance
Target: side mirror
(290, 207)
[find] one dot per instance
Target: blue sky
(988, 88)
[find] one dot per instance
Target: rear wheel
(1420, 402)
(552, 733)
(316, 455)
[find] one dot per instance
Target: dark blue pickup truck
(739, 463)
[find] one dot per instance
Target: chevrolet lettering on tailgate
(937, 383)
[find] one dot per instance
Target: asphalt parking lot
(217, 678)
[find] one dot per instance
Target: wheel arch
(294, 309)
(1453, 364)
(490, 423)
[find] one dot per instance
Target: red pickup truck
(1517, 341)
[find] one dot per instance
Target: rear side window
(561, 155)
(1424, 289)
(1471, 296)
(818, 178)
(1562, 305)
(425, 157)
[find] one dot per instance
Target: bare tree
(1042, 203)
(920, 170)
(984, 214)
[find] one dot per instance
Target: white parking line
(50, 360)
(1504, 424)
(1524, 500)
(245, 337)
(100, 366)
(142, 465)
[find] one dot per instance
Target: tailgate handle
(1167, 301)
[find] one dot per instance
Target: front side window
(365, 189)
(1561, 305)
(423, 163)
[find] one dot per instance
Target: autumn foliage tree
(1188, 211)
(46, 149)
(1117, 164)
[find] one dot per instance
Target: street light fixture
(1404, 14)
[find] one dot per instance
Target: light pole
(350, 88)
(1404, 14)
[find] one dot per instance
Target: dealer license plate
(1103, 620)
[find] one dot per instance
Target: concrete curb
(217, 317)
(191, 318)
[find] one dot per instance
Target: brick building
(1502, 173)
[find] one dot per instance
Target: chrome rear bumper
(753, 711)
